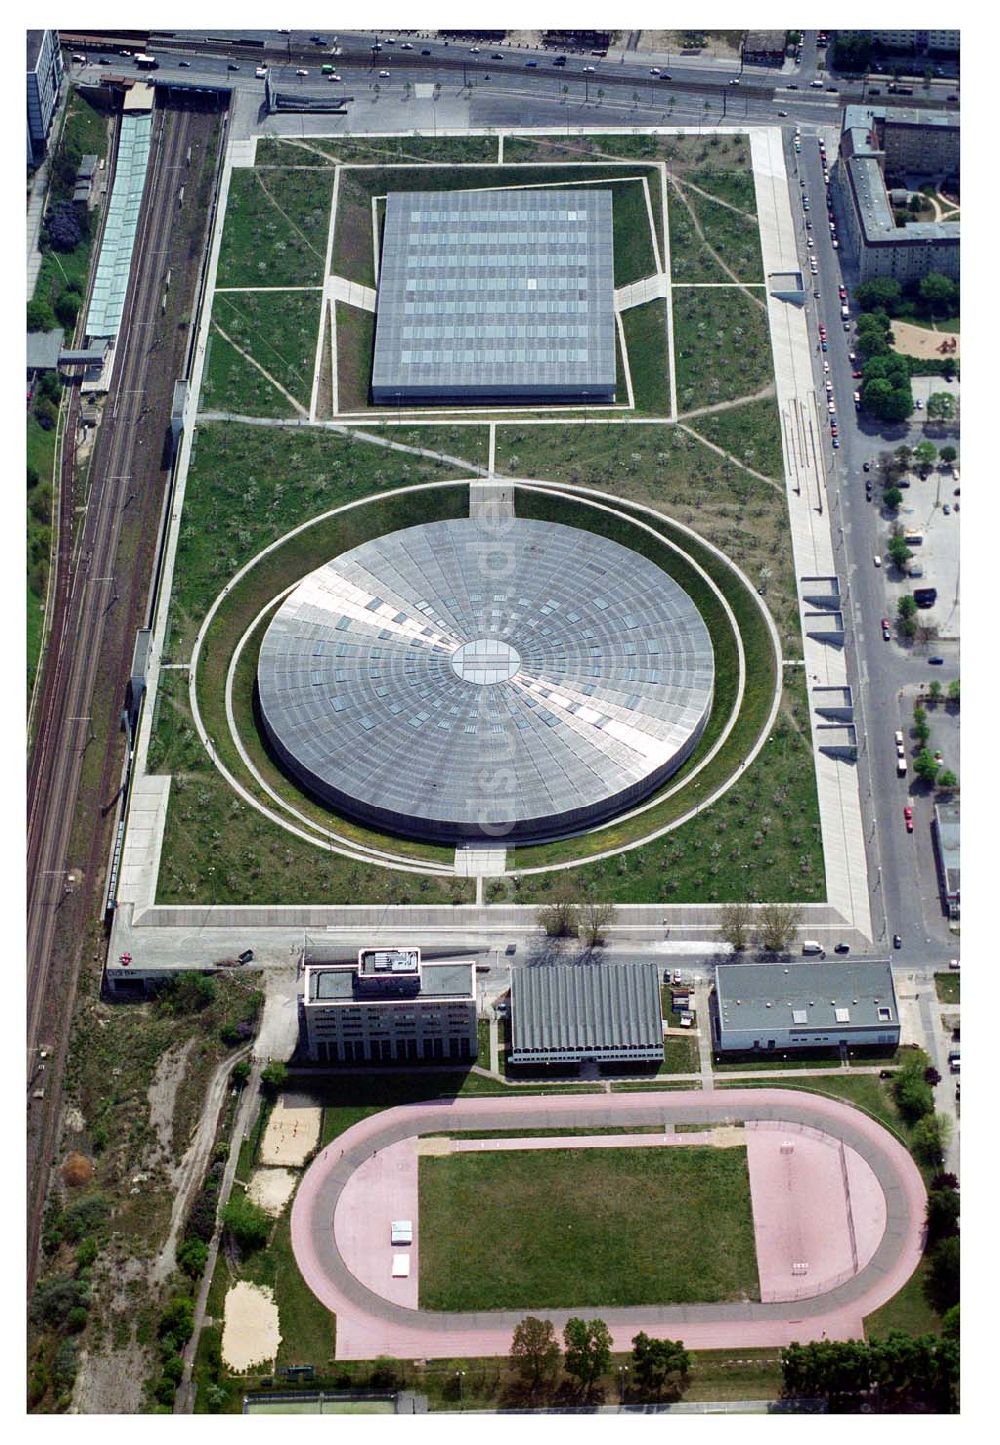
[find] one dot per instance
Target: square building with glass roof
(496, 295)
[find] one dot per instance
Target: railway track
(100, 597)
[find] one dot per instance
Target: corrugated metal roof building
(565, 1013)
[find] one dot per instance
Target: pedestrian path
(340, 289)
(639, 292)
(811, 526)
(480, 862)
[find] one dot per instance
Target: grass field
(722, 347)
(734, 238)
(948, 987)
(646, 339)
(248, 485)
(565, 1231)
(703, 154)
(278, 330)
(751, 433)
(397, 150)
(276, 228)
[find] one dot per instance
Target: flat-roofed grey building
(389, 1007)
(769, 1007)
(44, 73)
(569, 1013)
(496, 295)
(948, 851)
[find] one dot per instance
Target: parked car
(936, 661)
(842, 948)
(866, 467)
(897, 941)
(886, 634)
(954, 964)
(878, 561)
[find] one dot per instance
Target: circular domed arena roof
(482, 680)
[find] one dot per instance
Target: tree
(588, 1351)
(39, 315)
(63, 227)
(906, 606)
(882, 291)
(655, 1363)
(955, 690)
(240, 1072)
(886, 402)
(943, 1282)
(926, 455)
(913, 1095)
(595, 920)
(778, 922)
(893, 498)
(735, 923)
(939, 292)
(560, 918)
(899, 552)
(948, 454)
(274, 1077)
(534, 1352)
(926, 767)
(192, 1256)
(944, 1207)
(249, 1226)
(67, 307)
(934, 691)
(950, 1326)
(947, 779)
(930, 1138)
(177, 1320)
(941, 407)
(192, 992)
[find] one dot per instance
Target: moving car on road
(908, 818)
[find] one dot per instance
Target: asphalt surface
(886, 674)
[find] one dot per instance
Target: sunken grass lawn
(646, 340)
(355, 352)
(276, 228)
(576, 1228)
(702, 155)
(633, 243)
(722, 346)
(733, 237)
(278, 330)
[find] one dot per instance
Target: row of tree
(769, 926)
(933, 297)
(657, 1367)
(900, 1373)
(563, 918)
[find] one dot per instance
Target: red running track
(848, 1195)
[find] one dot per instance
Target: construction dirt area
(292, 1132)
(250, 1333)
(926, 344)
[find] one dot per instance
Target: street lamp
(622, 1373)
(460, 1376)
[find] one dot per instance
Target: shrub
(56, 1298)
(84, 1216)
(177, 1319)
(192, 1256)
(40, 316)
(63, 228)
(943, 1276)
(913, 1095)
(67, 307)
(274, 1077)
(248, 1224)
(86, 1254)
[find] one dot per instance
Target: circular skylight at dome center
(452, 682)
(486, 661)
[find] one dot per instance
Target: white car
(302, 72)
(334, 76)
(878, 561)
(261, 72)
(383, 75)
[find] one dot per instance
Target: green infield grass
(578, 1227)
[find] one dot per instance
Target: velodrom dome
(459, 680)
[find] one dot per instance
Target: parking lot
(923, 512)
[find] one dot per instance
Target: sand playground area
(272, 1189)
(292, 1132)
(250, 1333)
(920, 341)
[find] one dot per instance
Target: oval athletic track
(369, 1325)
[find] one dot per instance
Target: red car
(857, 375)
(884, 622)
(843, 292)
(908, 819)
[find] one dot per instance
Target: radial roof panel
(503, 293)
(448, 682)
